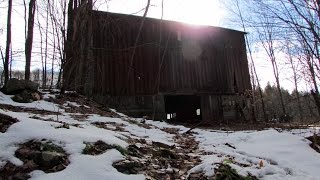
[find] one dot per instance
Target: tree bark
(8, 43)
(29, 40)
(44, 70)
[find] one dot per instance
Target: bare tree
(303, 18)
(266, 36)
(253, 67)
(8, 43)
(41, 44)
(136, 41)
(294, 67)
(58, 19)
(29, 40)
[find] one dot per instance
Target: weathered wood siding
(170, 59)
(113, 46)
(220, 68)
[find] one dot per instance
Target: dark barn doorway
(183, 108)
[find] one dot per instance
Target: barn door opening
(183, 108)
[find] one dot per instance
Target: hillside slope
(71, 137)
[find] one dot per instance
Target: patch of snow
(71, 139)
(209, 162)
(305, 132)
(48, 96)
(152, 134)
(162, 124)
(89, 167)
(41, 104)
(68, 103)
(284, 155)
(120, 114)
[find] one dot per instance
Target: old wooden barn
(157, 67)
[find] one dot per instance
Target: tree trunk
(266, 36)
(68, 42)
(29, 40)
(254, 70)
(44, 70)
(63, 44)
(41, 48)
(297, 92)
(8, 43)
(276, 75)
(54, 35)
(315, 92)
(1, 75)
(295, 78)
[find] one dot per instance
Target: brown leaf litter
(6, 122)
(36, 155)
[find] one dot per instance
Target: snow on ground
(284, 155)
(41, 105)
(267, 154)
(86, 167)
(74, 104)
(152, 134)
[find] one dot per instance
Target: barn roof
(172, 22)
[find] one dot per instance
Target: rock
(24, 152)
(20, 176)
(50, 158)
(168, 154)
(133, 150)
(26, 96)
(97, 148)
(29, 166)
(129, 167)
(35, 96)
(12, 172)
(42, 155)
(162, 145)
(15, 86)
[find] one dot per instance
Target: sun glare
(202, 12)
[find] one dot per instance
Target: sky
(203, 12)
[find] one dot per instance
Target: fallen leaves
(224, 171)
(6, 122)
(36, 155)
(99, 147)
(261, 164)
(315, 142)
(27, 110)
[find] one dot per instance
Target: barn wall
(135, 106)
(221, 67)
(216, 65)
(116, 72)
